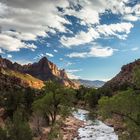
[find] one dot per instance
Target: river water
(96, 130)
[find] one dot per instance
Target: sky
(90, 39)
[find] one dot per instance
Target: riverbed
(93, 130)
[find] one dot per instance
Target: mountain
(88, 83)
(9, 77)
(124, 78)
(43, 70)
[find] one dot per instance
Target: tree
(81, 92)
(92, 98)
(13, 100)
(57, 101)
(125, 104)
(136, 77)
(3, 134)
(16, 129)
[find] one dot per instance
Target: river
(93, 130)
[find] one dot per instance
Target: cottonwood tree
(58, 100)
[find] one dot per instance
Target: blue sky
(91, 39)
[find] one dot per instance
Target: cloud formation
(13, 44)
(96, 51)
(25, 20)
(119, 30)
(71, 73)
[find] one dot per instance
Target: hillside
(125, 78)
(22, 79)
(34, 74)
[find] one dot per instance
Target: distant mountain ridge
(124, 78)
(90, 84)
(43, 70)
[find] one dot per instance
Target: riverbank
(79, 127)
(68, 129)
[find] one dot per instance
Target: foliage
(80, 93)
(57, 101)
(92, 98)
(18, 98)
(3, 134)
(16, 129)
(126, 104)
(55, 134)
(136, 77)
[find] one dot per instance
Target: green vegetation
(126, 105)
(26, 78)
(16, 129)
(52, 104)
(57, 100)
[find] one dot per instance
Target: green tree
(92, 98)
(136, 77)
(3, 134)
(58, 100)
(18, 128)
(13, 100)
(125, 104)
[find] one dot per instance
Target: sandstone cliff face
(124, 78)
(14, 78)
(43, 70)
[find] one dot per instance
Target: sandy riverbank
(68, 129)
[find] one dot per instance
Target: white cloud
(61, 59)
(71, 73)
(49, 54)
(78, 55)
(120, 30)
(55, 51)
(9, 56)
(135, 49)
(96, 51)
(1, 51)
(39, 56)
(72, 76)
(101, 51)
(21, 36)
(87, 14)
(91, 9)
(130, 17)
(81, 38)
(13, 44)
(73, 70)
(31, 18)
(3, 9)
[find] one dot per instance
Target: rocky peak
(43, 70)
(43, 60)
(5, 63)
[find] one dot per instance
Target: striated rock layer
(43, 70)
